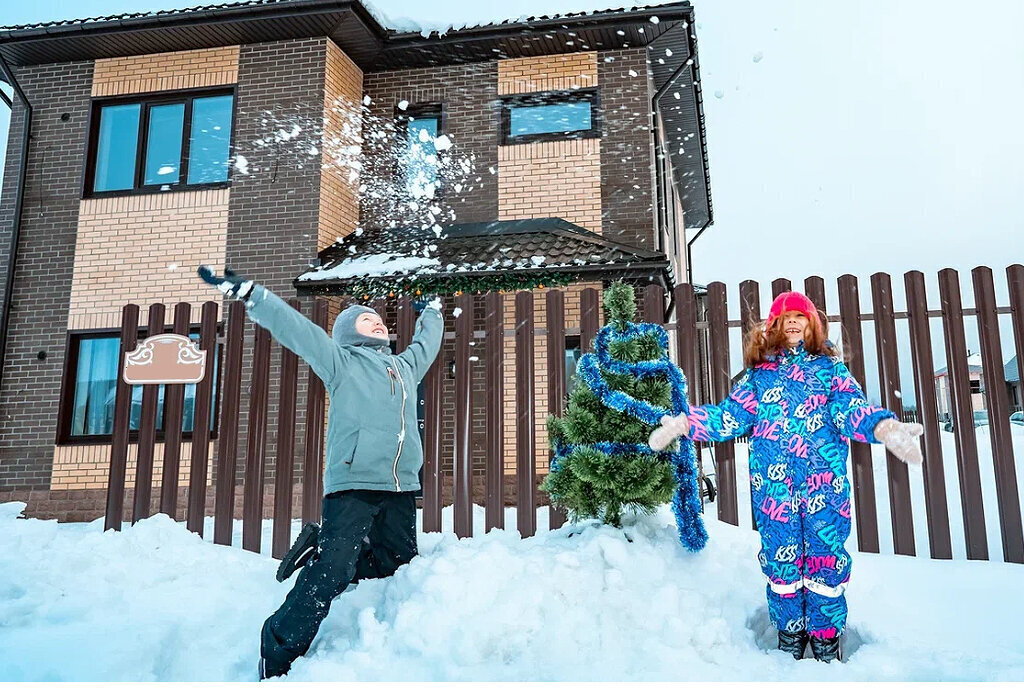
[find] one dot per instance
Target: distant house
(1011, 373)
(944, 393)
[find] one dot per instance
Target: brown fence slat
(312, 464)
(590, 318)
(781, 285)
(686, 335)
(147, 429)
(256, 447)
(654, 304)
(889, 384)
(199, 468)
(721, 381)
(557, 374)
(526, 435)
(814, 288)
(998, 405)
(174, 405)
(860, 453)
(122, 420)
(432, 446)
(227, 454)
(463, 468)
(1015, 282)
(494, 381)
(936, 508)
(963, 414)
(284, 469)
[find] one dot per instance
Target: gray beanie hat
(344, 331)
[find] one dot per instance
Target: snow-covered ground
(156, 602)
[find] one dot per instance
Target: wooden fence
(701, 333)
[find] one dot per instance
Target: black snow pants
(364, 534)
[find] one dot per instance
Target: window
(160, 143)
(975, 386)
(573, 354)
(90, 389)
(550, 116)
(420, 125)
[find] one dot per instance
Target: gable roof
(532, 247)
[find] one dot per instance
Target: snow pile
(157, 603)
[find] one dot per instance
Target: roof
(973, 365)
(1011, 371)
(533, 247)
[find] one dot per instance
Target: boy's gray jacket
(373, 441)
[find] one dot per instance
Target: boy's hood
(344, 332)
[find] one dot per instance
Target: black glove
(419, 304)
(231, 284)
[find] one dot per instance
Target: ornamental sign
(165, 359)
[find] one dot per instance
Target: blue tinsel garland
(686, 502)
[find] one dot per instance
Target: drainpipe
(12, 251)
(689, 252)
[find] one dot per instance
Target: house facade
(290, 140)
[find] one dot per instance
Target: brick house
(216, 135)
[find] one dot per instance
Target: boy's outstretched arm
(863, 422)
(426, 340)
(288, 326)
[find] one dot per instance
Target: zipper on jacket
(391, 376)
(401, 436)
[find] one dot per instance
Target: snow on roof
(372, 265)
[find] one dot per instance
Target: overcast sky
(843, 137)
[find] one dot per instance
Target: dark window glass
(210, 141)
(549, 119)
(117, 147)
(573, 353)
(95, 389)
(163, 144)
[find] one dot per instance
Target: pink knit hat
(790, 301)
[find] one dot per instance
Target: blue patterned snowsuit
(800, 408)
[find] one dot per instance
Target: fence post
(963, 415)
(998, 406)
(750, 317)
(889, 385)
(227, 457)
(721, 381)
(462, 473)
(147, 429)
(122, 420)
(526, 435)
(284, 468)
(686, 335)
(494, 412)
(174, 402)
(863, 477)
(936, 508)
(555, 309)
(199, 468)
(781, 285)
(312, 464)
(256, 448)
(432, 442)
(590, 319)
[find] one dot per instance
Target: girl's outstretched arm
(728, 420)
(851, 413)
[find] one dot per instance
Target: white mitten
(671, 428)
(901, 439)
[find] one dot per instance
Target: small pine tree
(602, 463)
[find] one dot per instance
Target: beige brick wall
(165, 71)
(86, 466)
(551, 179)
(547, 73)
(145, 249)
(339, 181)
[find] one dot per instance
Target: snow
(372, 264)
(157, 603)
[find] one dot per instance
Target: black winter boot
(826, 649)
(302, 549)
(793, 643)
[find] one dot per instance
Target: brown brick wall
(42, 282)
(173, 71)
(547, 73)
(339, 178)
(627, 159)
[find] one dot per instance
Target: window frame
(433, 109)
(576, 95)
(66, 404)
(147, 101)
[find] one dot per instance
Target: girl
(373, 457)
(802, 406)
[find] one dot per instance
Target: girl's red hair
(761, 344)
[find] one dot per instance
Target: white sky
(843, 137)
